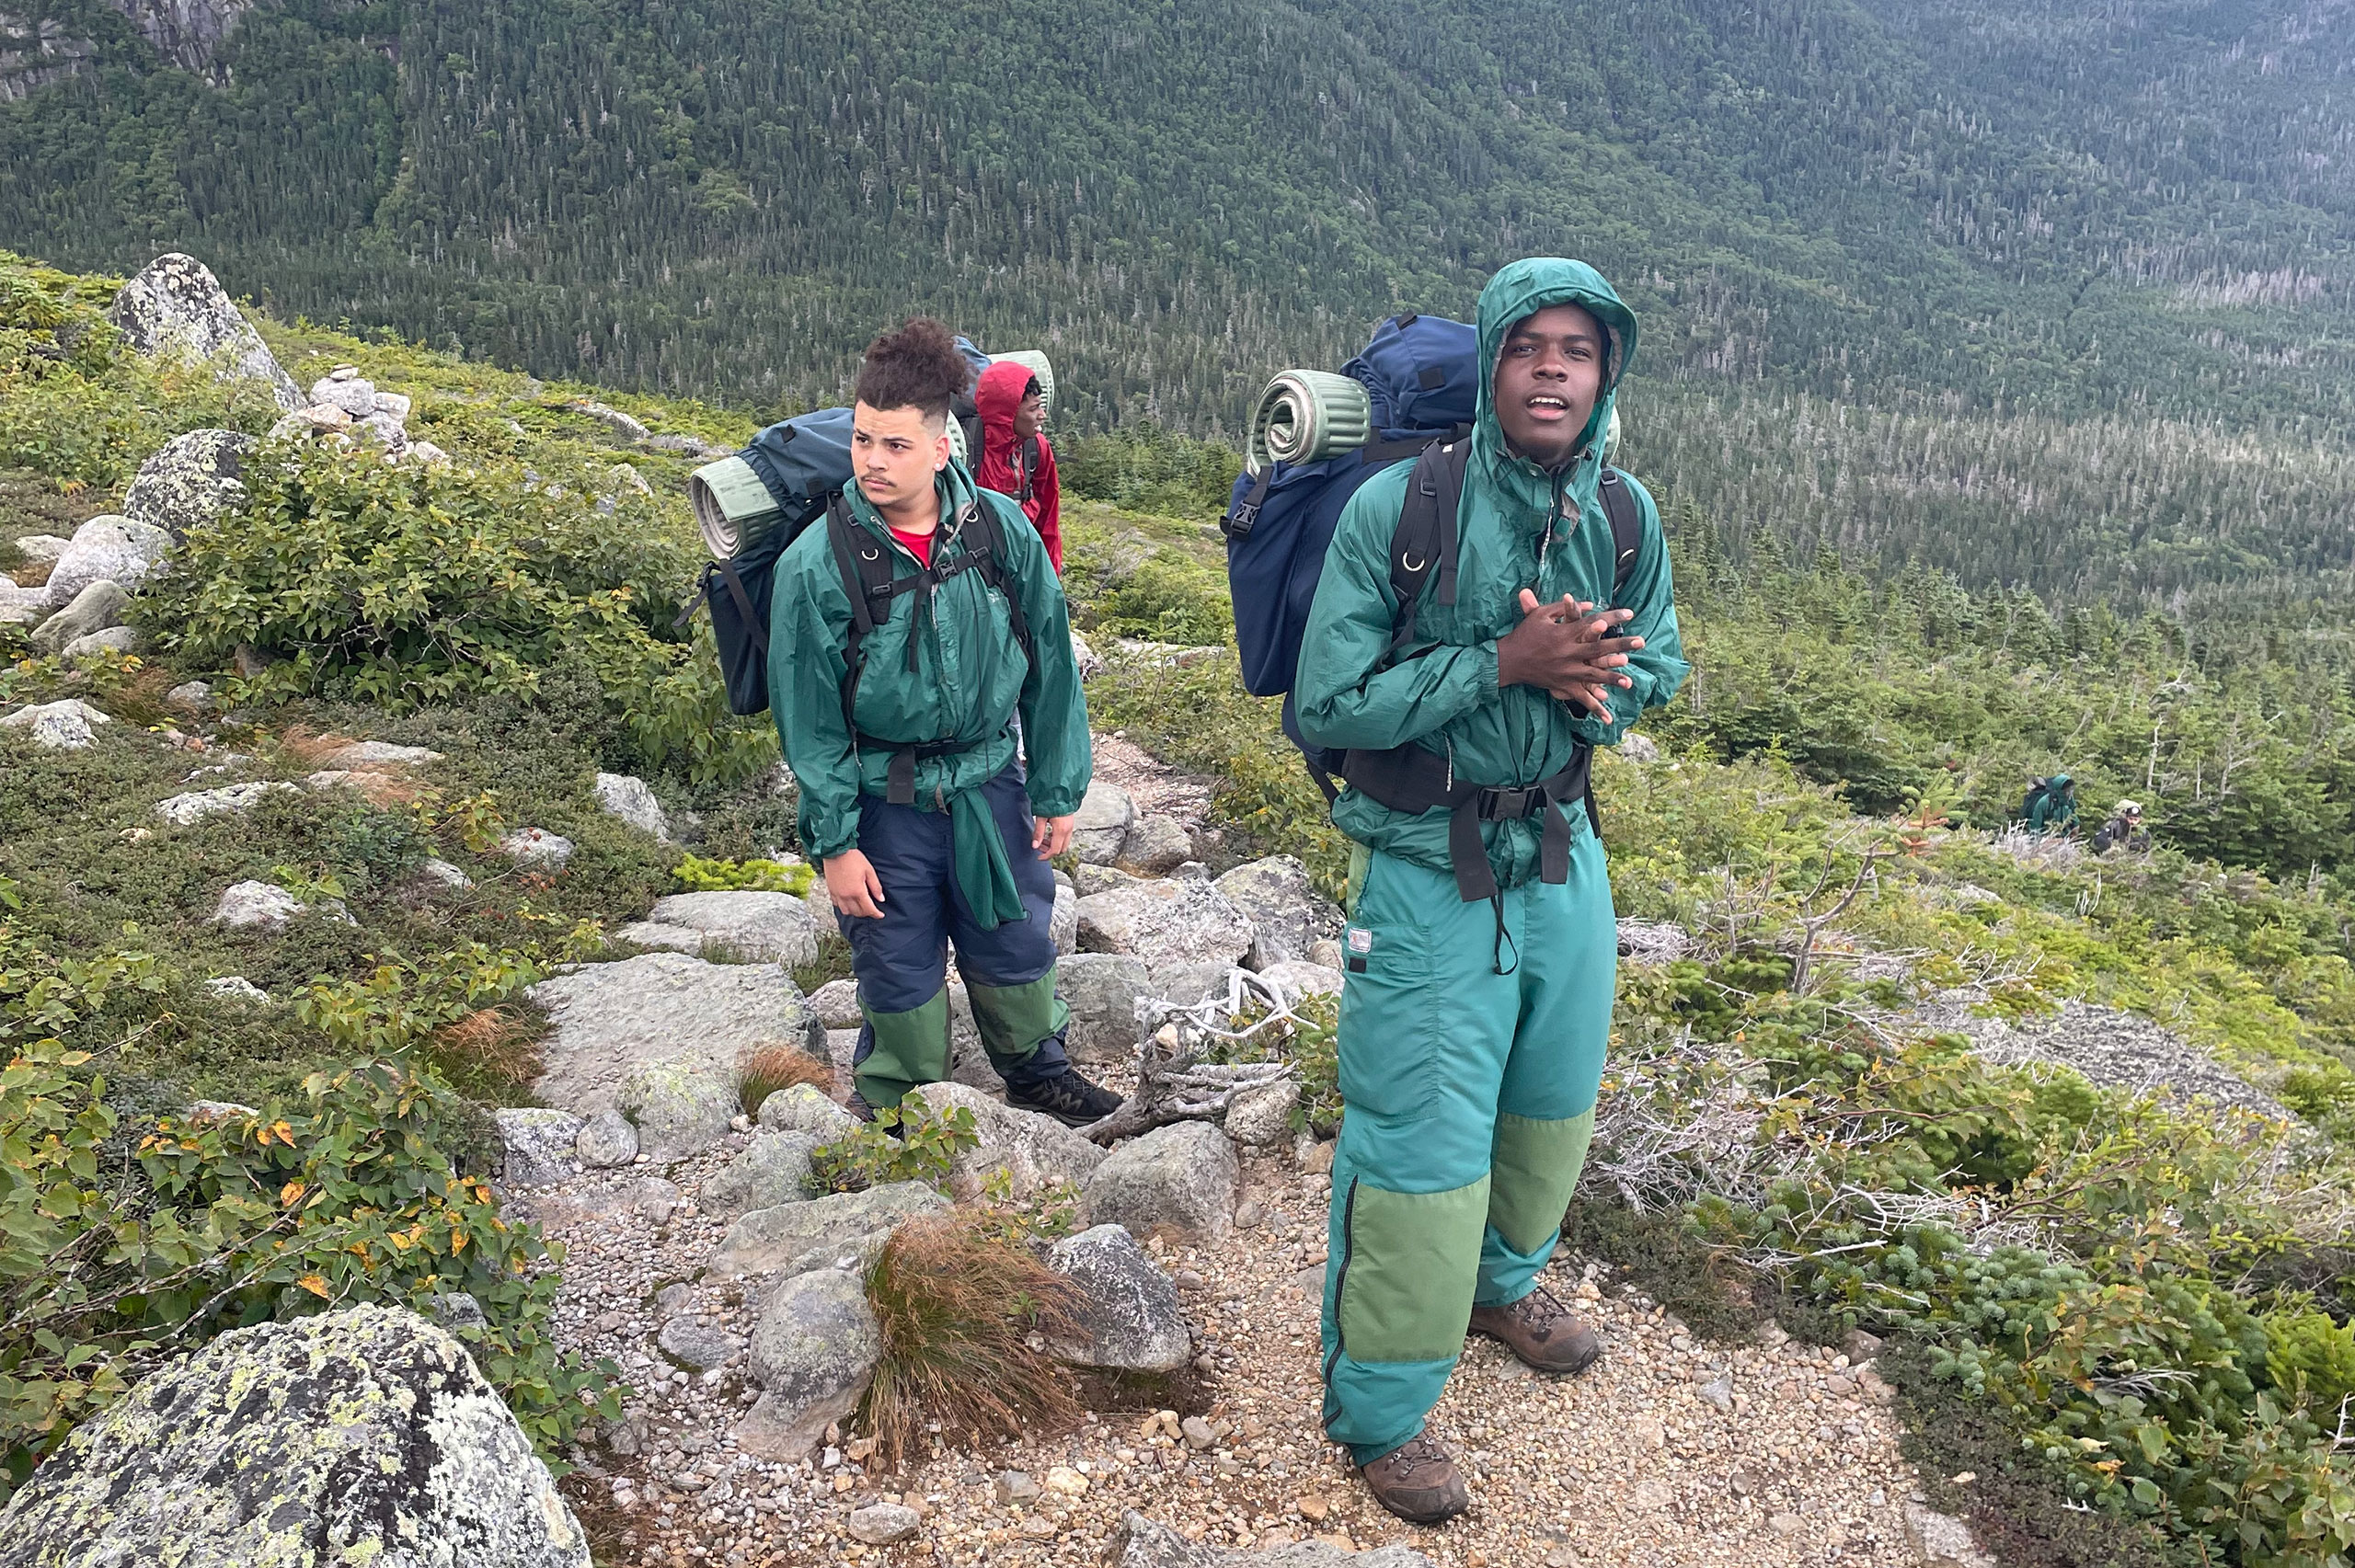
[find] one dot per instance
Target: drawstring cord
(1504, 939)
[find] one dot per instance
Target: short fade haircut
(918, 367)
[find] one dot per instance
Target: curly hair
(917, 366)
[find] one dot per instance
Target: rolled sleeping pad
(1040, 366)
(1611, 436)
(1308, 417)
(733, 509)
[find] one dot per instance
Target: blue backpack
(763, 498)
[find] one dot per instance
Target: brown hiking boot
(1542, 1331)
(1417, 1482)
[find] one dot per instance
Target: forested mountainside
(1998, 204)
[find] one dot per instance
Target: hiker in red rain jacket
(1015, 459)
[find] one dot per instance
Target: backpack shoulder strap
(864, 566)
(987, 542)
(1626, 516)
(1030, 470)
(1423, 545)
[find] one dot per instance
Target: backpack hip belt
(899, 783)
(1414, 779)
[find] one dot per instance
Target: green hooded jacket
(1447, 699)
(963, 681)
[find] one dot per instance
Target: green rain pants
(1468, 1103)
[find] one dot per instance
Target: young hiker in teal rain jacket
(1473, 1028)
(930, 831)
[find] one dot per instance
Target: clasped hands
(1568, 651)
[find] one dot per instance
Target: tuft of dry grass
(492, 1055)
(960, 1306)
(310, 748)
(769, 1066)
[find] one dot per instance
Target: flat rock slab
(364, 1436)
(795, 1237)
(658, 1009)
(770, 928)
(1165, 923)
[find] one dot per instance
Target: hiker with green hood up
(1481, 951)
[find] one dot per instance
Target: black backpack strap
(723, 573)
(857, 560)
(1030, 453)
(986, 543)
(1626, 515)
(1423, 545)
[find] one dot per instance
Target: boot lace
(1419, 1455)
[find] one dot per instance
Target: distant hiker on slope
(1015, 459)
(2050, 806)
(2123, 831)
(1481, 950)
(897, 717)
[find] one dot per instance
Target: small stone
(606, 1139)
(1943, 1540)
(1248, 1216)
(1199, 1434)
(237, 987)
(191, 697)
(1312, 1508)
(1786, 1524)
(880, 1524)
(1260, 1116)
(180, 811)
(1067, 1481)
(1718, 1391)
(627, 797)
(1860, 1347)
(535, 849)
(255, 906)
(1315, 1156)
(539, 1144)
(1652, 1493)
(1153, 847)
(699, 1348)
(1840, 1388)
(1014, 1486)
(114, 639)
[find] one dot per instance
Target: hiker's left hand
(1050, 835)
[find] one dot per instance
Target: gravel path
(1672, 1451)
(1157, 789)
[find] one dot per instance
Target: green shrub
(116, 1254)
(403, 585)
(926, 1146)
(700, 876)
(2311, 1359)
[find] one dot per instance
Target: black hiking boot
(1069, 1098)
(857, 1107)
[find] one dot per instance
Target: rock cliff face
(186, 32)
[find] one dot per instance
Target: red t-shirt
(919, 544)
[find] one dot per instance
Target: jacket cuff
(1483, 670)
(1053, 806)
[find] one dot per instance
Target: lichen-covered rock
(1034, 1152)
(193, 480)
(536, 849)
(41, 547)
(606, 1140)
(803, 1107)
(1101, 988)
(1164, 922)
(1300, 979)
(1287, 916)
(1154, 846)
(836, 1004)
(359, 1437)
(696, 1347)
(812, 1351)
(773, 928)
(109, 549)
(255, 906)
(1090, 662)
(661, 1007)
(113, 639)
(679, 1108)
(1102, 824)
(1943, 1540)
(773, 1169)
(1063, 924)
(66, 726)
(630, 799)
(360, 754)
(1128, 1310)
(1257, 1117)
(539, 1144)
(98, 606)
(794, 1238)
(1639, 748)
(237, 987)
(180, 811)
(177, 306)
(1183, 1175)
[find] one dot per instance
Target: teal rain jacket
(963, 681)
(1521, 527)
